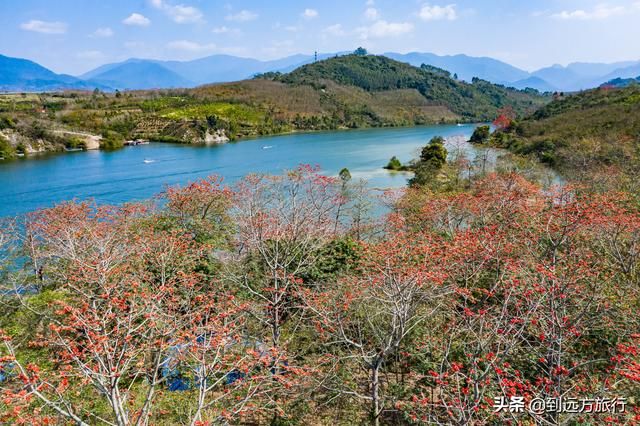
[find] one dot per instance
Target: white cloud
(382, 29)
(438, 13)
(103, 32)
(137, 20)
(371, 13)
(310, 14)
(601, 11)
(225, 30)
(334, 30)
(180, 13)
(91, 55)
(44, 27)
(191, 46)
(242, 16)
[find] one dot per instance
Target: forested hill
(350, 91)
(479, 100)
(588, 132)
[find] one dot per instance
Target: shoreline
(44, 154)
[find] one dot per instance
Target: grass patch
(236, 112)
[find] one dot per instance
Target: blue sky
(74, 36)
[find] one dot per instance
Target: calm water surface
(138, 173)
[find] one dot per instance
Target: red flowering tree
(131, 299)
(506, 116)
(283, 222)
(534, 302)
(372, 317)
(201, 207)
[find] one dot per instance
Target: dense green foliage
(6, 150)
(480, 135)
(394, 164)
(479, 101)
(434, 152)
(622, 82)
(111, 140)
(6, 122)
(432, 158)
(344, 175)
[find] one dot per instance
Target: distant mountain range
(145, 74)
(579, 75)
(24, 75)
(466, 67)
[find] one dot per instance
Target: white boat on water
(147, 161)
(459, 124)
(267, 147)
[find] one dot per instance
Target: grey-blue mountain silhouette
(140, 75)
(24, 75)
(466, 67)
(581, 75)
(534, 83)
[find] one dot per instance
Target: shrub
(480, 135)
(6, 150)
(111, 140)
(6, 122)
(394, 164)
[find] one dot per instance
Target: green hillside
(478, 101)
(583, 133)
(344, 92)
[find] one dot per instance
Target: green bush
(6, 150)
(394, 164)
(111, 140)
(480, 135)
(432, 158)
(6, 122)
(75, 143)
(434, 153)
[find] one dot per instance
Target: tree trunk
(375, 391)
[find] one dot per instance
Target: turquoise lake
(138, 173)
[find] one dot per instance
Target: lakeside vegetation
(351, 91)
(591, 137)
(433, 157)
